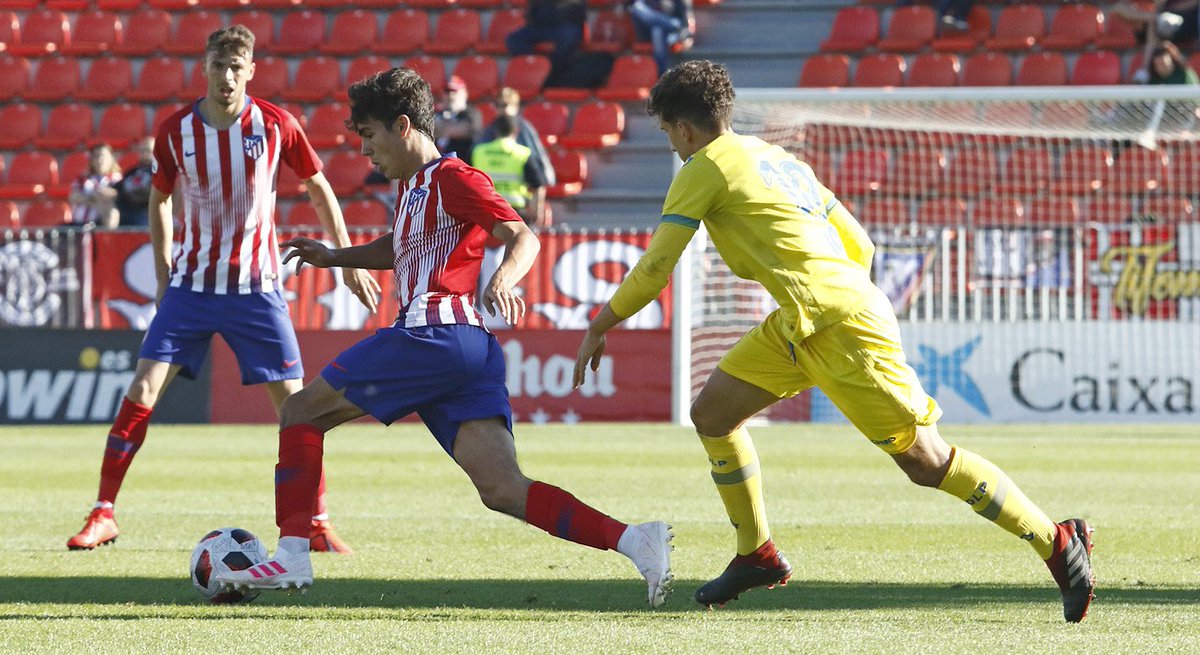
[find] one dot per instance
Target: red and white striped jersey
(227, 244)
(444, 216)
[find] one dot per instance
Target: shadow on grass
(562, 595)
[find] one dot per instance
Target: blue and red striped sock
(566, 517)
(127, 435)
(297, 478)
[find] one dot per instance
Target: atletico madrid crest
(253, 146)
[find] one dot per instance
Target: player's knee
(295, 411)
(506, 496)
(708, 421)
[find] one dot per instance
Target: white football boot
(290, 568)
(649, 546)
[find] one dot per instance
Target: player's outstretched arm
(360, 283)
(376, 255)
(520, 247)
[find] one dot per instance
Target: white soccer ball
(225, 549)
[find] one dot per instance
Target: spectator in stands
(133, 191)
(1169, 67)
(953, 13)
(1176, 20)
(457, 124)
(508, 103)
(514, 173)
(666, 24)
(93, 194)
(551, 21)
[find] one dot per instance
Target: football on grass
(225, 549)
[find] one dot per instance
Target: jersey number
(801, 188)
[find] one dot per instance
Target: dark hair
(699, 92)
(390, 94)
(232, 40)
(504, 125)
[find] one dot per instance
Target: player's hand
(589, 355)
(502, 298)
(362, 285)
(306, 250)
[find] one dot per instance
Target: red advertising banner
(632, 384)
(574, 275)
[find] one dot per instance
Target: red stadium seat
(1042, 69)
(1110, 210)
(317, 78)
(162, 113)
(262, 24)
(487, 113)
(122, 124)
(406, 30)
(68, 5)
(297, 112)
(972, 171)
(918, 172)
(1183, 168)
(1118, 35)
(526, 74)
(22, 124)
(14, 76)
(20, 5)
(881, 70)
(979, 23)
(118, 5)
(457, 31)
(94, 32)
(1136, 63)
(69, 126)
(72, 167)
(1168, 209)
(10, 218)
(30, 174)
(108, 78)
(1018, 28)
(46, 213)
(42, 32)
(942, 211)
(1054, 210)
(610, 31)
(478, 4)
(631, 79)
(504, 22)
(885, 211)
(346, 171)
(550, 119)
(366, 66)
(1074, 27)
(301, 32)
(481, 75)
(56, 79)
(1136, 170)
(862, 172)
(148, 30)
(934, 70)
(289, 184)
(1082, 170)
(998, 212)
(570, 169)
(1028, 171)
(910, 30)
(430, 4)
(987, 69)
(854, 30)
(191, 32)
(367, 213)
(270, 78)
(161, 79)
(301, 212)
(822, 71)
(352, 32)
(10, 29)
(431, 69)
(1097, 69)
(595, 125)
(197, 83)
(327, 128)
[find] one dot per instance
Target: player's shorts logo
(253, 146)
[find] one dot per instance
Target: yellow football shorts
(858, 363)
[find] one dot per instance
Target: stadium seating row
(1018, 27)
(1049, 211)
(938, 69)
(190, 5)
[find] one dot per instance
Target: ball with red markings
(225, 549)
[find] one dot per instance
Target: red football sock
(319, 509)
(127, 434)
(564, 516)
(297, 478)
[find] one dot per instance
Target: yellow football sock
(735, 472)
(996, 498)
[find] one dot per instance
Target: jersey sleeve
(652, 272)
(164, 170)
(468, 194)
(296, 151)
(695, 193)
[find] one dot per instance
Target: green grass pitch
(881, 565)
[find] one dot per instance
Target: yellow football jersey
(773, 222)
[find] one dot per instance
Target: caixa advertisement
(80, 376)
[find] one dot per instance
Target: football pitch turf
(881, 566)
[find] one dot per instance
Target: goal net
(1018, 219)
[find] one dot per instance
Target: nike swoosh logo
(288, 363)
(189, 154)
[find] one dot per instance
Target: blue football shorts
(447, 374)
(255, 325)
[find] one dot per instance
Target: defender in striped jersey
(220, 273)
(438, 360)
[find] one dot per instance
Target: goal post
(1019, 219)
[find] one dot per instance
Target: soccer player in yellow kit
(773, 222)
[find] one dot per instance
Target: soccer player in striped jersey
(773, 222)
(221, 273)
(438, 359)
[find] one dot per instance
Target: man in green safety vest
(515, 174)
